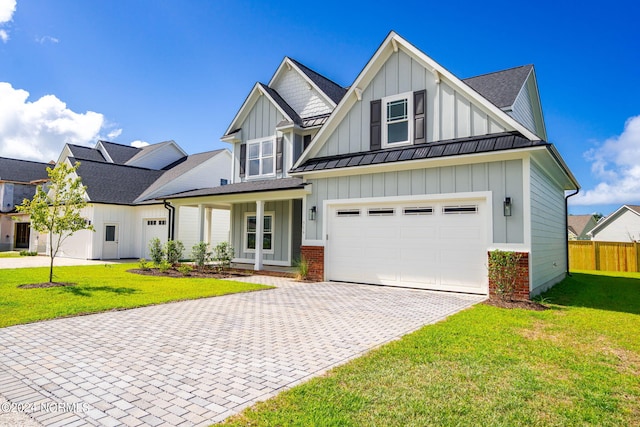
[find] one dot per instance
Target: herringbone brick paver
(197, 362)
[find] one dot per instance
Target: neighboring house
(621, 226)
(407, 178)
(579, 226)
(123, 184)
(18, 181)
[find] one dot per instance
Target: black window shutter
(279, 154)
(376, 124)
(419, 117)
(306, 140)
(243, 159)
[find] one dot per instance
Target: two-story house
(407, 178)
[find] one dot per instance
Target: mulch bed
(524, 304)
(195, 273)
(46, 285)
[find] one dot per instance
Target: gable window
(260, 158)
(397, 117)
(250, 232)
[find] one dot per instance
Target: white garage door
(428, 245)
(153, 227)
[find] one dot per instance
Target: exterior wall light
(507, 206)
(312, 213)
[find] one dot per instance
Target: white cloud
(139, 144)
(7, 8)
(114, 134)
(616, 163)
(47, 39)
(38, 130)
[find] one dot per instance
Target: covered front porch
(266, 220)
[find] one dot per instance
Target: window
(267, 232)
(381, 212)
(460, 209)
(110, 233)
(348, 212)
(224, 181)
(162, 222)
(397, 117)
(260, 158)
(418, 210)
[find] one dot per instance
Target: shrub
(302, 268)
(27, 253)
(504, 272)
(200, 254)
(144, 264)
(222, 255)
(173, 251)
(156, 250)
(164, 266)
(185, 269)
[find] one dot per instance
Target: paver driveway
(197, 362)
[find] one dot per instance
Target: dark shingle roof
(119, 153)
(330, 88)
(85, 153)
(244, 187)
(282, 103)
(501, 87)
(22, 170)
(112, 183)
(578, 223)
(453, 147)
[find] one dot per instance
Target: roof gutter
(172, 214)
(566, 224)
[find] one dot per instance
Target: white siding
(300, 95)
(220, 226)
(625, 227)
(548, 232)
(523, 110)
(188, 228)
(449, 113)
(158, 158)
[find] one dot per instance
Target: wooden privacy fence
(603, 256)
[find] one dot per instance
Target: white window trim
(409, 97)
(246, 232)
(273, 156)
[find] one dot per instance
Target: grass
(573, 365)
(98, 288)
(10, 254)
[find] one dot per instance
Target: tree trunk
(51, 270)
(52, 256)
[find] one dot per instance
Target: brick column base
(315, 257)
(522, 282)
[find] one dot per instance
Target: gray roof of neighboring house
(176, 169)
(22, 170)
(282, 103)
(453, 147)
(143, 151)
(85, 153)
(120, 153)
(330, 88)
(113, 183)
(501, 87)
(243, 187)
(577, 223)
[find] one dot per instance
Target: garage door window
(381, 212)
(460, 209)
(267, 232)
(347, 212)
(418, 210)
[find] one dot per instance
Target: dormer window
(260, 157)
(397, 119)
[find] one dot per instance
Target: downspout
(171, 228)
(566, 225)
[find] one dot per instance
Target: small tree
(173, 250)
(200, 254)
(222, 255)
(504, 272)
(56, 209)
(156, 251)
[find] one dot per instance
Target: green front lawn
(10, 254)
(99, 288)
(573, 365)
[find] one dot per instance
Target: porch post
(207, 224)
(176, 223)
(201, 210)
(259, 234)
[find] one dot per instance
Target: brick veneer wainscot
(315, 257)
(522, 282)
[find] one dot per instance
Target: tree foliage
(56, 208)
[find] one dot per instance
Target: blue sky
(76, 71)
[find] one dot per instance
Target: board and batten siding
(449, 113)
(281, 230)
(522, 110)
(503, 178)
(548, 232)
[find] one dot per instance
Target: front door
(22, 235)
(110, 244)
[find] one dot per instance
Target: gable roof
(243, 187)
(578, 223)
(26, 171)
(85, 153)
(119, 153)
(113, 183)
(148, 149)
(501, 87)
(610, 218)
(392, 43)
(453, 147)
(328, 87)
(291, 113)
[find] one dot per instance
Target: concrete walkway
(198, 362)
(43, 261)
